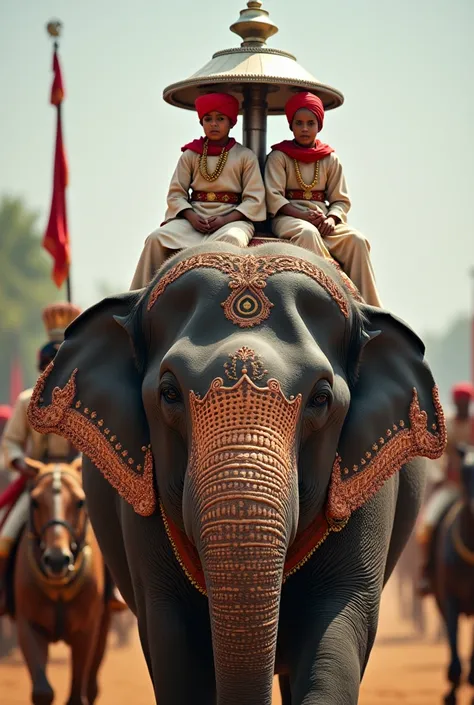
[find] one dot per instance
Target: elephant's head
(260, 404)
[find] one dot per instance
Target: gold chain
(221, 162)
(307, 188)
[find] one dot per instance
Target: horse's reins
(64, 588)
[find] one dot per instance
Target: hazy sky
(404, 133)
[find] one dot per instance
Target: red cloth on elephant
(305, 100)
(303, 154)
(212, 149)
(221, 102)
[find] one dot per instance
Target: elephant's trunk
(243, 488)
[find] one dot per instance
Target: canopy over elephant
(253, 436)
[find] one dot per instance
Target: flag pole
(54, 28)
(471, 321)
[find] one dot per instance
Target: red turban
(463, 389)
(5, 412)
(308, 101)
(221, 102)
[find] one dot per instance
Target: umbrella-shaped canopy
(261, 78)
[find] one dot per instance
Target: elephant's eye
(319, 399)
(170, 395)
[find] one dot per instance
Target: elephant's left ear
(394, 417)
(92, 396)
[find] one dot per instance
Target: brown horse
(7, 629)
(59, 584)
(453, 570)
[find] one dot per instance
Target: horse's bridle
(78, 542)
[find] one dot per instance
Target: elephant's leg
(285, 690)
(411, 485)
(34, 647)
(330, 660)
(329, 608)
(105, 509)
(180, 651)
(451, 613)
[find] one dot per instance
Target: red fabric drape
(56, 237)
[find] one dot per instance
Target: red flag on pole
(56, 238)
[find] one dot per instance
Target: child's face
(216, 126)
(305, 127)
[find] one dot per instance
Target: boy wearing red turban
(460, 431)
(307, 196)
(216, 192)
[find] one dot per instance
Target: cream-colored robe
(346, 245)
(19, 440)
(240, 175)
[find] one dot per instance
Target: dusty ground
(402, 670)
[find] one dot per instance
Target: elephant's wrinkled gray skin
(137, 368)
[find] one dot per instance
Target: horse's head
(58, 516)
(466, 453)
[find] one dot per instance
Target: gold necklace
(307, 188)
(221, 162)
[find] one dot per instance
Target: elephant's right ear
(92, 395)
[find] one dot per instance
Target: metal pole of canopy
(254, 130)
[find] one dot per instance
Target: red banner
(16, 380)
(56, 238)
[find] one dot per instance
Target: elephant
(254, 437)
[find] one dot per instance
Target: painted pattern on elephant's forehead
(247, 305)
(247, 358)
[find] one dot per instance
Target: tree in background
(25, 288)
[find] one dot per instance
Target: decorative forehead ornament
(247, 305)
(246, 357)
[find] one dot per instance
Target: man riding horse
(460, 430)
(20, 441)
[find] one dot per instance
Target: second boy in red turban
(307, 196)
